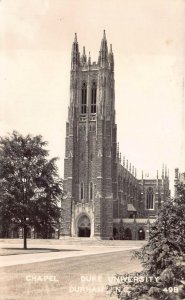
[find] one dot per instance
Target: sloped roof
(130, 207)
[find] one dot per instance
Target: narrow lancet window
(91, 191)
(150, 199)
(84, 99)
(82, 191)
(93, 98)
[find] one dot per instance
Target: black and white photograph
(92, 149)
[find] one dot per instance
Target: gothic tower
(90, 169)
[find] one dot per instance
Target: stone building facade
(179, 179)
(141, 201)
(102, 193)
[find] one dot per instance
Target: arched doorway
(115, 233)
(84, 226)
(141, 234)
(128, 234)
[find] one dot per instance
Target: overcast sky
(148, 45)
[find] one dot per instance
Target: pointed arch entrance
(84, 226)
(141, 234)
(128, 234)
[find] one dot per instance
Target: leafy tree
(30, 188)
(162, 258)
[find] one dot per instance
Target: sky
(149, 49)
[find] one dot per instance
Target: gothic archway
(141, 234)
(115, 233)
(84, 226)
(128, 234)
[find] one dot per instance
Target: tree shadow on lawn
(17, 251)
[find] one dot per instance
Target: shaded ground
(75, 278)
(18, 251)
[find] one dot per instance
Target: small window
(84, 99)
(82, 191)
(150, 199)
(93, 98)
(91, 191)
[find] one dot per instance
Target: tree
(162, 258)
(30, 187)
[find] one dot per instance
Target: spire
(104, 35)
(84, 57)
(157, 180)
(163, 176)
(75, 40)
(103, 56)
(75, 55)
(111, 59)
(89, 59)
(163, 172)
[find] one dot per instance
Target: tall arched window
(150, 199)
(81, 191)
(84, 99)
(93, 98)
(91, 191)
(82, 156)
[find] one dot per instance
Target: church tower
(90, 168)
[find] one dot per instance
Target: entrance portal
(84, 227)
(141, 234)
(128, 234)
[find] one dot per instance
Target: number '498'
(171, 289)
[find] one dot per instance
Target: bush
(162, 258)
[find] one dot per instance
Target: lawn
(30, 250)
(77, 278)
